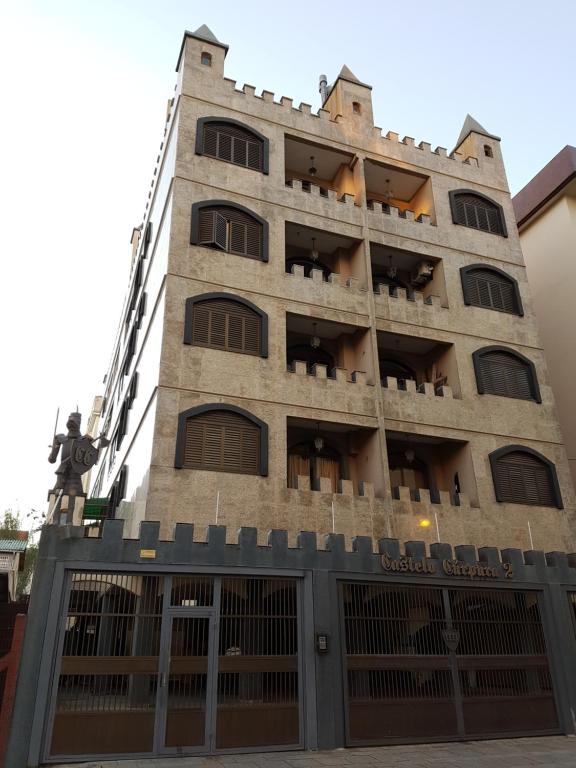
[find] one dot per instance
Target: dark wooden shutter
(212, 228)
(230, 230)
(478, 213)
(226, 324)
(506, 375)
(485, 288)
(222, 441)
(234, 144)
(523, 479)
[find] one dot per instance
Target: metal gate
(176, 664)
(427, 663)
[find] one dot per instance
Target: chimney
(323, 89)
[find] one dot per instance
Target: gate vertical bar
(163, 669)
(212, 675)
(454, 665)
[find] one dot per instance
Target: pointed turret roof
(205, 34)
(472, 125)
(347, 74)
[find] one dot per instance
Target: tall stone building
(328, 329)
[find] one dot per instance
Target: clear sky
(83, 95)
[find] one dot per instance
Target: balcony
(398, 192)
(417, 365)
(430, 470)
(316, 168)
(408, 275)
(327, 349)
(324, 256)
(333, 458)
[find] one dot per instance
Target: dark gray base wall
(63, 549)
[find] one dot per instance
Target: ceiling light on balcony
(388, 192)
(318, 440)
(410, 455)
(314, 255)
(314, 340)
(312, 171)
(391, 269)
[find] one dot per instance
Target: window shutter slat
(476, 212)
(233, 144)
(490, 290)
(506, 375)
(523, 479)
(206, 226)
(226, 324)
(230, 230)
(223, 442)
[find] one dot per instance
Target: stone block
(286, 102)
(489, 555)
(441, 551)
(426, 146)
(317, 276)
(416, 549)
(267, 96)
(299, 367)
(393, 211)
(366, 489)
(346, 487)
(347, 198)
(404, 493)
(391, 383)
(440, 151)
(408, 215)
(320, 371)
(424, 218)
(392, 136)
(249, 90)
(466, 553)
(408, 141)
(410, 386)
(325, 485)
(446, 391)
(297, 270)
(359, 377)
(341, 374)
(323, 114)
(303, 482)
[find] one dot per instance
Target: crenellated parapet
(307, 550)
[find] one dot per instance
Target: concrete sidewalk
(545, 752)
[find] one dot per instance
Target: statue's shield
(83, 455)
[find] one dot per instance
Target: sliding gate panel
(106, 691)
(435, 662)
(258, 680)
(502, 664)
(399, 680)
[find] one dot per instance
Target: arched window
(523, 476)
(229, 227)
(472, 209)
(233, 142)
(502, 371)
(488, 151)
(228, 322)
(310, 355)
(222, 438)
(305, 459)
(206, 59)
(491, 288)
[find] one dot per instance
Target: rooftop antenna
(323, 88)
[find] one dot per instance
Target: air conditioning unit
(422, 274)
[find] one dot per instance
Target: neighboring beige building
(329, 329)
(546, 214)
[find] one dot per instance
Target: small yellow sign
(148, 553)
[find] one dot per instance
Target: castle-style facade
(329, 329)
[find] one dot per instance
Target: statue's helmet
(75, 418)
